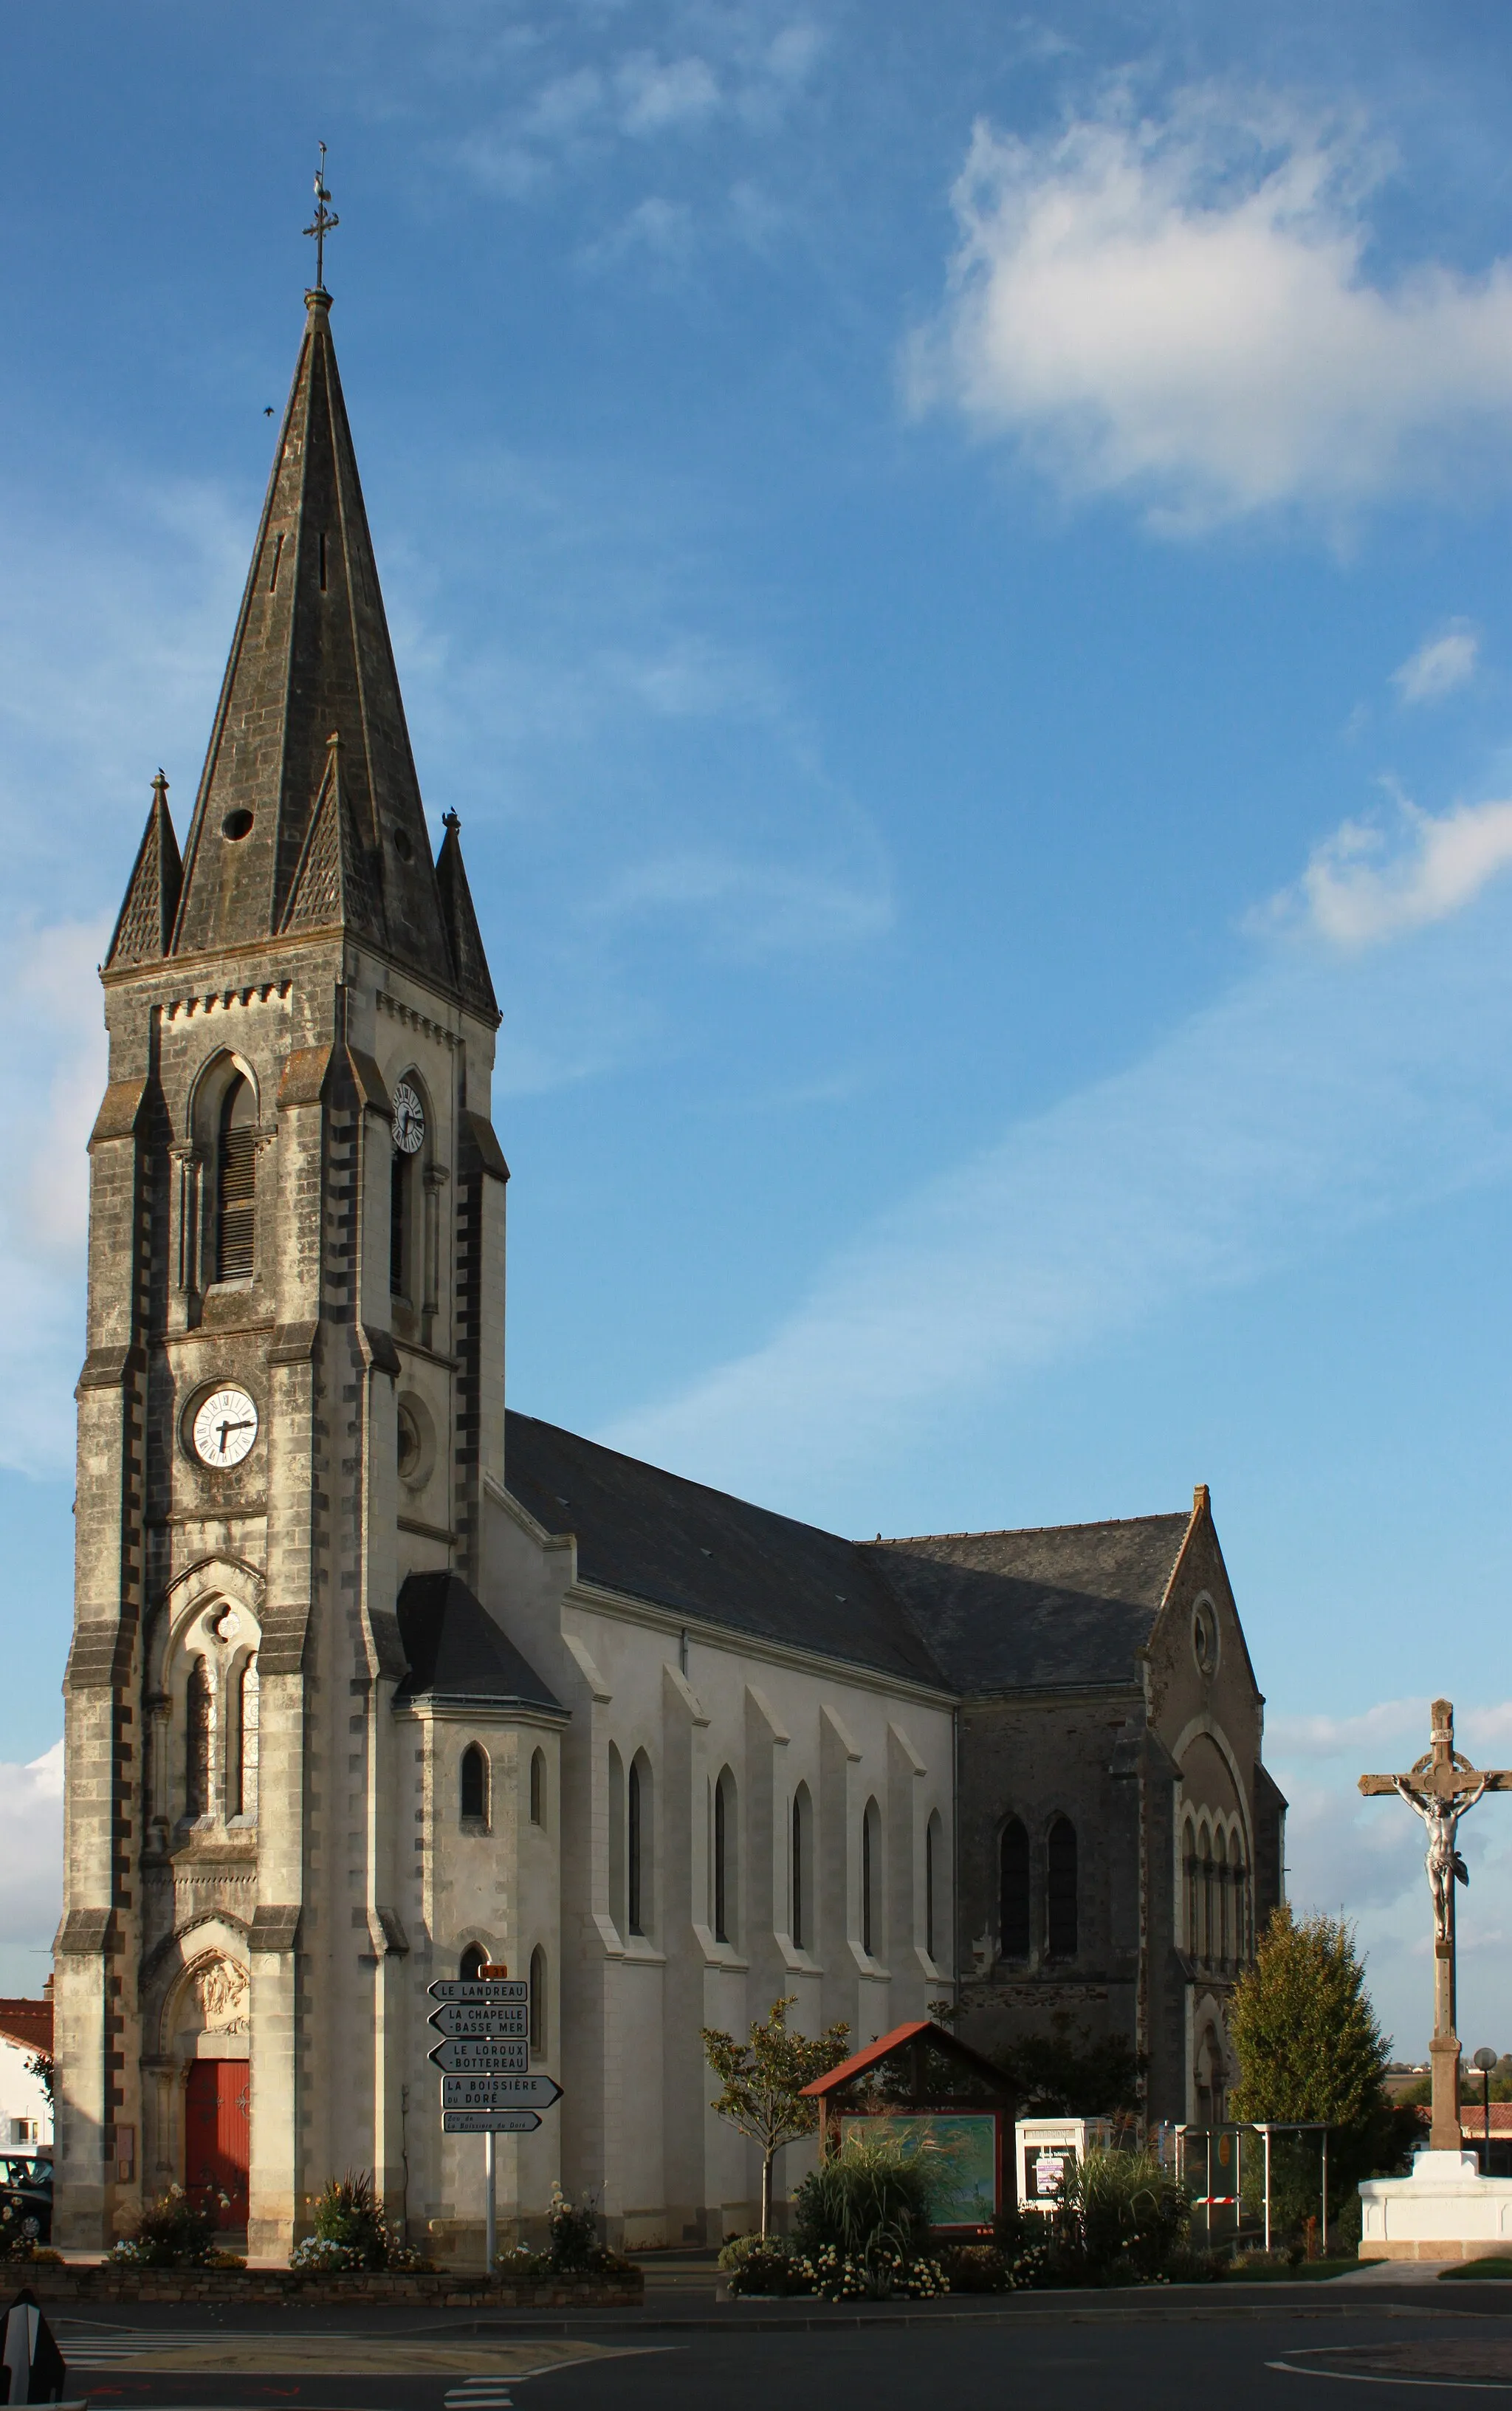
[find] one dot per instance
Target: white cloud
(48, 989)
(1326, 1090)
(1179, 310)
(654, 95)
(1358, 890)
(31, 1867)
(1439, 665)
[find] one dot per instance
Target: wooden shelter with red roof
(946, 2092)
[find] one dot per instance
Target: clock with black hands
(224, 1428)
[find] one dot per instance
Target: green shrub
(350, 2233)
(868, 2194)
(1129, 2215)
(173, 2233)
(976, 2269)
(573, 2246)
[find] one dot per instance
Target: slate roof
(972, 1611)
(277, 843)
(1067, 1605)
(699, 1552)
(456, 1651)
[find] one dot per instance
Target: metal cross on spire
(324, 218)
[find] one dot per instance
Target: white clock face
(224, 1428)
(409, 1121)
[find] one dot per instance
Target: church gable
(1065, 1604)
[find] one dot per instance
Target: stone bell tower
(292, 1395)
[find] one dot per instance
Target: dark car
(26, 2191)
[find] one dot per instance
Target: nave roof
(1069, 1605)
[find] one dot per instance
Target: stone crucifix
(1441, 1787)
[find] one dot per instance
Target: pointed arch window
(634, 1845)
(640, 1846)
(724, 1857)
(1014, 1922)
(934, 1863)
(538, 1787)
(802, 1905)
(538, 2003)
(1060, 1890)
(475, 1784)
(871, 1869)
(243, 1735)
(235, 1182)
(197, 1712)
(473, 1962)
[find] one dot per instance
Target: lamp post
(1485, 2059)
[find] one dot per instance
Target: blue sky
(955, 565)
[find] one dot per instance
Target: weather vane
(323, 220)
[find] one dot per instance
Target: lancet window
(235, 1183)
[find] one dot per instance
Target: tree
(763, 2081)
(1308, 2043)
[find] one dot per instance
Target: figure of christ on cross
(1441, 1787)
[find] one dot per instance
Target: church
(374, 1680)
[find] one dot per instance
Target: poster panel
(960, 2152)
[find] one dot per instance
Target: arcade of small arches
(1217, 1894)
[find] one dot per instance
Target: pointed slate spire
(311, 654)
(463, 937)
(146, 923)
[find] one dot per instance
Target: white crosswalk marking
(479, 2394)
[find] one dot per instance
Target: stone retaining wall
(96, 2282)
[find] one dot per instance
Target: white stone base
(1446, 2210)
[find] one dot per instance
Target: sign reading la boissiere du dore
(484, 2056)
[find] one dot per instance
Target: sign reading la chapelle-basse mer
(484, 2056)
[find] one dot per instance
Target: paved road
(1067, 2360)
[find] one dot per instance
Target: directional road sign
(514, 2092)
(481, 2058)
(482, 2019)
(489, 2093)
(489, 2122)
(479, 1988)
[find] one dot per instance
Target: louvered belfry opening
(398, 1190)
(236, 1184)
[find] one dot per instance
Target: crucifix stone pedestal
(1446, 2209)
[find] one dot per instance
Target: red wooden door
(218, 2136)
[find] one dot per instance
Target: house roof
(456, 1651)
(702, 1554)
(1064, 1605)
(27, 2024)
(913, 2030)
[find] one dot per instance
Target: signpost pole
(490, 2215)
